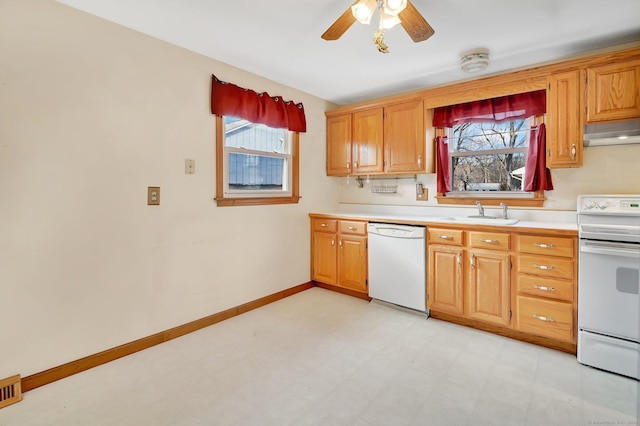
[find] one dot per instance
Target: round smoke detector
(474, 60)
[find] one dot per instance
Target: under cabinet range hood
(612, 133)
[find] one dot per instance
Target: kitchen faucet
(480, 208)
(504, 211)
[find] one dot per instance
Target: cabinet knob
(543, 288)
(543, 318)
(544, 267)
(544, 246)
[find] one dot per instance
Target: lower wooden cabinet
(339, 253)
(445, 279)
(489, 287)
(516, 283)
(546, 276)
(468, 279)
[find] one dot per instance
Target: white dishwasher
(397, 264)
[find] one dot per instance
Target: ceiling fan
(391, 12)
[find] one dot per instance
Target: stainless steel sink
(481, 220)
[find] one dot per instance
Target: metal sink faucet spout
(480, 208)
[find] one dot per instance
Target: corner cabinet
(564, 120)
(613, 91)
(389, 139)
(339, 253)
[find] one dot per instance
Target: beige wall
(91, 114)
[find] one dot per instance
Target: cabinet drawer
(445, 236)
(546, 266)
(352, 227)
(545, 287)
(490, 240)
(545, 318)
(325, 225)
(554, 246)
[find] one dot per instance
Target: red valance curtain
(504, 108)
(443, 177)
(234, 101)
(536, 174)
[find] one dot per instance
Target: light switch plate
(424, 196)
(153, 196)
(190, 166)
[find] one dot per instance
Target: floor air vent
(10, 391)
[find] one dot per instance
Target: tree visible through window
(488, 156)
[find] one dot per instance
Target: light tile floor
(323, 358)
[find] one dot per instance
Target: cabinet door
(325, 266)
(339, 145)
(613, 91)
(488, 297)
(367, 141)
(404, 137)
(352, 262)
(444, 286)
(564, 120)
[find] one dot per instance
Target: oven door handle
(611, 249)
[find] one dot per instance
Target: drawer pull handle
(473, 260)
(542, 318)
(543, 288)
(352, 228)
(459, 258)
(544, 267)
(324, 225)
(333, 242)
(341, 243)
(544, 246)
(490, 241)
(445, 237)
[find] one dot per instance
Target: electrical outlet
(190, 166)
(422, 193)
(153, 196)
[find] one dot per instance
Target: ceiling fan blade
(415, 24)
(341, 25)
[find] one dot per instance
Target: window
(493, 150)
(256, 164)
(488, 159)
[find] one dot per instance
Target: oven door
(608, 288)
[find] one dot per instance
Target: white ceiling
(280, 39)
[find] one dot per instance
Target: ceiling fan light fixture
(474, 60)
(393, 7)
(388, 21)
(363, 10)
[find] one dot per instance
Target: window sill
(256, 201)
(536, 201)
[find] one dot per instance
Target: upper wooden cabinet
(564, 120)
(339, 150)
(613, 91)
(367, 147)
(404, 137)
(389, 139)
